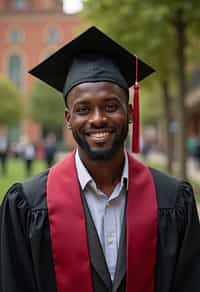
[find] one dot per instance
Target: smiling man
(99, 220)
(98, 116)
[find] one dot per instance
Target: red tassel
(136, 113)
(136, 121)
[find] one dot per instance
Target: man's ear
(67, 118)
(130, 113)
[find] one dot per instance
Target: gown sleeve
(187, 276)
(16, 268)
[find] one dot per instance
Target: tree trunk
(180, 27)
(169, 133)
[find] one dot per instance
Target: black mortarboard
(91, 57)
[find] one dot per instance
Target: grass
(16, 173)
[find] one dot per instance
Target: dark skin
(98, 114)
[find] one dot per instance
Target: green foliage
(46, 106)
(10, 103)
(151, 108)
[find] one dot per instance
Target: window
(53, 36)
(15, 69)
(19, 4)
(15, 37)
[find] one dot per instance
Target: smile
(99, 136)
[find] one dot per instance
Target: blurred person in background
(50, 149)
(4, 147)
(29, 157)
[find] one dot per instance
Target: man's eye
(111, 107)
(82, 110)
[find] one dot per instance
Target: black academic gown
(26, 263)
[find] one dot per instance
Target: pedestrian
(29, 157)
(50, 149)
(4, 147)
(99, 220)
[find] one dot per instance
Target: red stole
(68, 228)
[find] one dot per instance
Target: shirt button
(107, 204)
(112, 276)
(110, 240)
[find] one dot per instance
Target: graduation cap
(93, 57)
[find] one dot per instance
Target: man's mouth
(99, 136)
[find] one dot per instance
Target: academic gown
(26, 261)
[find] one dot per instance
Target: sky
(72, 6)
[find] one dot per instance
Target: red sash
(68, 228)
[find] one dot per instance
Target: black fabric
(97, 258)
(93, 68)
(55, 69)
(178, 255)
(25, 248)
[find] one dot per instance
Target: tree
(46, 106)
(181, 16)
(11, 103)
(156, 29)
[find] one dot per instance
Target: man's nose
(97, 117)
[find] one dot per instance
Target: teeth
(100, 135)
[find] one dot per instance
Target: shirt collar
(85, 178)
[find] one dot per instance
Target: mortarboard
(93, 57)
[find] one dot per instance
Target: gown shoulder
(172, 193)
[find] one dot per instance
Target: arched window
(19, 4)
(15, 37)
(15, 69)
(53, 35)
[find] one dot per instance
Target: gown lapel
(121, 258)
(68, 229)
(95, 249)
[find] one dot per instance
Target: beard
(104, 153)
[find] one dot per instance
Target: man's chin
(103, 154)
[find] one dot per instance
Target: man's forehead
(89, 91)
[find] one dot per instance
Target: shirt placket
(110, 240)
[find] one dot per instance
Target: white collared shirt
(107, 212)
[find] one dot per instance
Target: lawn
(16, 173)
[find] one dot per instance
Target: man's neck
(106, 173)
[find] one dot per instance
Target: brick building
(30, 30)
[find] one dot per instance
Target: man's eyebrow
(113, 97)
(80, 102)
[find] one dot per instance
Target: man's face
(98, 116)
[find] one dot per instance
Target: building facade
(31, 30)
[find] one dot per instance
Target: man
(4, 148)
(99, 220)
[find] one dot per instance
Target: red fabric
(68, 228)
(142, 222)
(136, 121)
